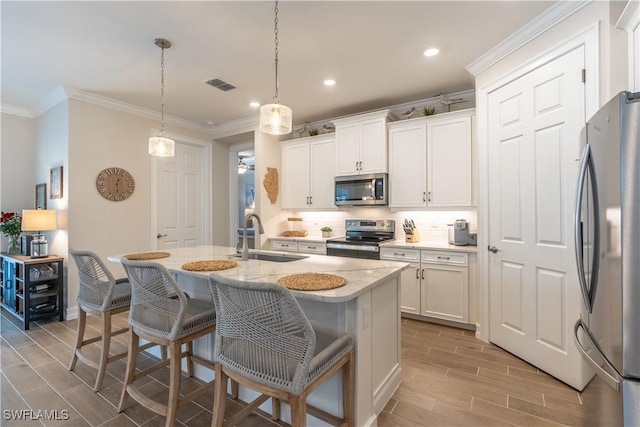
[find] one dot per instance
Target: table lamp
(39, 220)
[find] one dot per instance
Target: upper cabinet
(307, 173)
(430, 161)
(361, 144)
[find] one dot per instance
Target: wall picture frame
(55, 182)
(41, 196)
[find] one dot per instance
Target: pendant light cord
(162, 92)
(276, 49)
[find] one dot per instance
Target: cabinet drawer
(284, 245)
(400, 254)
(443, 257)
(312, 248)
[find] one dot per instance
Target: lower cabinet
(309, 247)
(436, 286)
(32, 288)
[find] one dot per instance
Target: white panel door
(373, 146)
(534, 134)
(347, 149)
(295, 176)
(180, 198)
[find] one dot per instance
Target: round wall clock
(115, 184)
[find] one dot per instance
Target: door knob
(492, 249)
(159, 236)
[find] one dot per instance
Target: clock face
(115, 184)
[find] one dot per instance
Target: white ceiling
(372, 48)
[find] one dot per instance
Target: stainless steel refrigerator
(607, 237)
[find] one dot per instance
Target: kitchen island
(368, 307)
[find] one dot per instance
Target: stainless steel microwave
(361, 190)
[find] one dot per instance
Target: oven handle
(346, 246)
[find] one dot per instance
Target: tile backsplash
(432, 224)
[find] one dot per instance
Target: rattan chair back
(158, 305)
(262, 333)
(97, 284)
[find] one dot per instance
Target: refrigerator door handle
(587, 167)
(612, 380)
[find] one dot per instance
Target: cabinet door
(295, 176)
(445, 292)
(312, 248)
(373, 147)
(449, 180)
(284, 245)
(347, 149)
(410, 290)
(408, 166)
(321, 183)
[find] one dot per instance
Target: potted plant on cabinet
(326, 231)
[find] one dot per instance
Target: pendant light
(276, 119)
(159, 145)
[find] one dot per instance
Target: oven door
(353, 251)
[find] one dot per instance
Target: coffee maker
(459, 233)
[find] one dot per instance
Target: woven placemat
(147, 255)
(212, 265)
(312, 281)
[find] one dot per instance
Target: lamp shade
(161, 146)
(276, 119)
(38, 220)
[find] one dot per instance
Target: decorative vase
(13, 244)
(326, 234)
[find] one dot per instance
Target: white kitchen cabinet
(284, 245)
(430, 161)
(408, 165)
(449, 171)
(445, 286)
(307, 173)
(436, 285)
(312, 248)
(411, 283)
(361, 144)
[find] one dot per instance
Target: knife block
(413, 237)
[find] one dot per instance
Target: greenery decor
(313, 132)
(326, 229)
(429, 111)
(11, 224)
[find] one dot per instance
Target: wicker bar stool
(265, 342)
(101, 295)
(161, 313)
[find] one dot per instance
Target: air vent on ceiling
(220, 84)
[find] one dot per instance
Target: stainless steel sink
(262, 256)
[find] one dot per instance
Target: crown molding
(541, 23)
(630, 16)
(16, 111)
(235, 127)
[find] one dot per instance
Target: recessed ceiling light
(329, 82)
(254, 104)
(432, 51)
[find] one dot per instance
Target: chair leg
(298, 411)
(82, 322)
(220, 397)
(189, 359)
(275, 408)
(235, 389)
(348, 389)
(104, 351)
(132, 360)
(175, 369)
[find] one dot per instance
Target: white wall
(17, 153)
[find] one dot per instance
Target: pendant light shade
(276, 119)
(160, 145)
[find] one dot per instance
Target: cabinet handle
(423, 274)
(357, 165)
(310, 200)
(417, 273)
(285, 246)
(443, 257)
(429, 196)
(398, 254)
(424, 196)
(311, 247)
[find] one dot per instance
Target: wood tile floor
(448, 379)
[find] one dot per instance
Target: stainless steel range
(363, 238)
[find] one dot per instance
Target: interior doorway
(242, 191)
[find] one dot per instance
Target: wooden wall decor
(271, 184)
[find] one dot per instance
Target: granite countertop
(361, 274)
(435, 245)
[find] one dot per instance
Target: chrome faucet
(245, 247)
